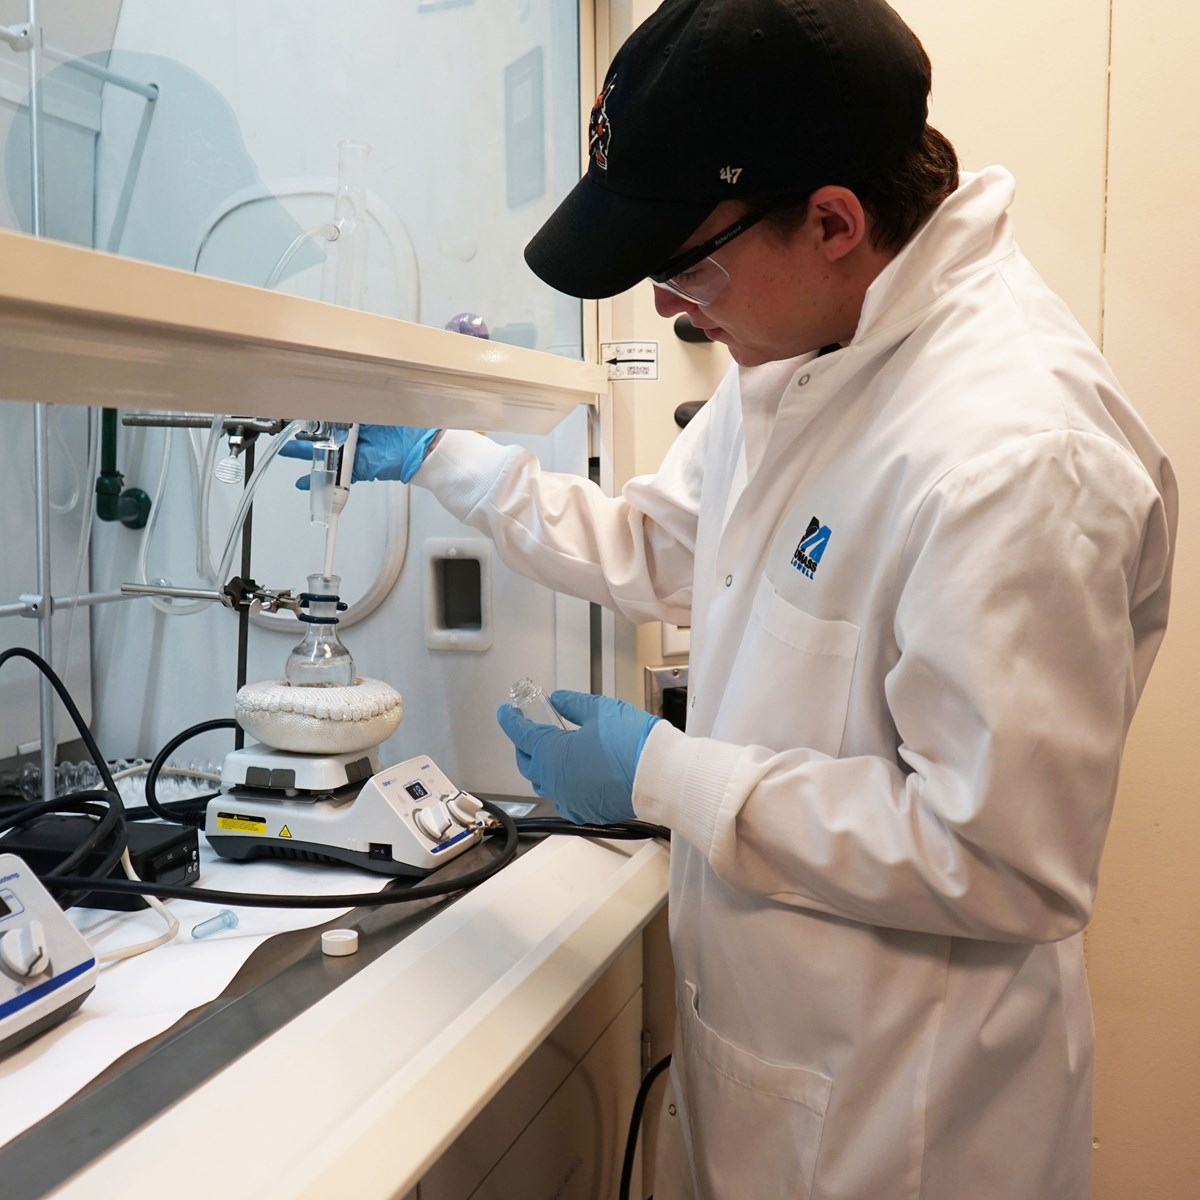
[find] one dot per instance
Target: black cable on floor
(635, 1125)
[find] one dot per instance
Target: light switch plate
(676, 639)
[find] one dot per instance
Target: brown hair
(899, 198)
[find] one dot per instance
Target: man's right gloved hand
(383, 452)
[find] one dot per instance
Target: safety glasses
(694, 274)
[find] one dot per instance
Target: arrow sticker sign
(630, 360)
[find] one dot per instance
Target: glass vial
(528, 699)
(320, 660)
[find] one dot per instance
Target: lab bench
(469, 1041)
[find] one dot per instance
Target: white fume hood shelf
(81, 327)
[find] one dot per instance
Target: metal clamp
(237, 594)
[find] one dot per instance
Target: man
(924, 546)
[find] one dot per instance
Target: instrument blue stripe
(44, 989)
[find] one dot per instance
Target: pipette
(329, 482)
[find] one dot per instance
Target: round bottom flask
(320, 659)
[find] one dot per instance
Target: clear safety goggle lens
(701, 284)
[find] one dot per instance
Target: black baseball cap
(713, 100)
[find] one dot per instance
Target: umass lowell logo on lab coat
(807, 555)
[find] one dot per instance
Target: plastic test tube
(532, 702)
(225, 919)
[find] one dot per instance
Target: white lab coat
(926, 577)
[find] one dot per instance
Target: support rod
(87, 67)
(21, 39)
(41, 485)
(41, 421)
(37, 212)
(243, 649)
(31, 606)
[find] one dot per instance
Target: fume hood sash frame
(81, 327)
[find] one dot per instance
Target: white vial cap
(339, 941)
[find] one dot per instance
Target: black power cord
(624, 831)
(635, 1125)
(183, 813)
(84, 732)
(108, 834)
(461, 883)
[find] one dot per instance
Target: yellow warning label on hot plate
(285, 832)
(237, 823)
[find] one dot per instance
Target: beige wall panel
(1023, 83)
(1145, 940)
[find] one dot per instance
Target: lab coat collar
(970, 232)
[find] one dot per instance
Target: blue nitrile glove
(587, 772)
(384, 452)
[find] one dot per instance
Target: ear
(839, 216)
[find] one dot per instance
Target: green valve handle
(115, 502)
(133, 509)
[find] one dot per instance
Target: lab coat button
(729, 581)
(803, 380)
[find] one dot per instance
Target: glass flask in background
(320, 659)
(344, 275)
(531, 701)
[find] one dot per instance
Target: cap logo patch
(599, 129)
(730, 174)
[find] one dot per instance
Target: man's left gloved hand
(383, 452)
(586, 772)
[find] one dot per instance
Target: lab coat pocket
(755, 1126)
(791, 683)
